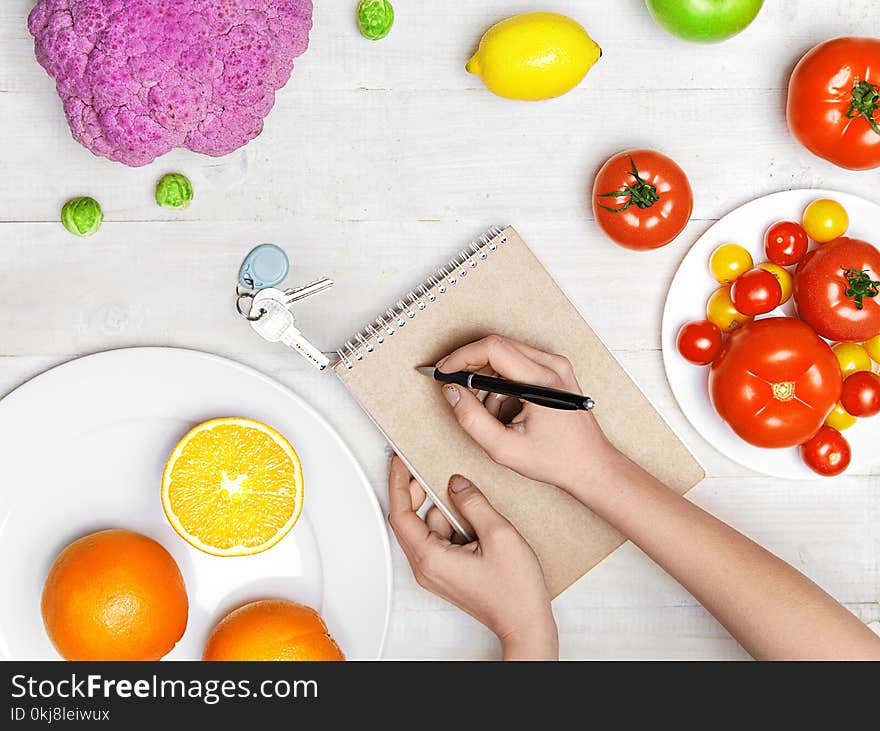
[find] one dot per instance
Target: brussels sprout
(375, 18)
(174, 191)
(82, 216)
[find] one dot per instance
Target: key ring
(246, 294)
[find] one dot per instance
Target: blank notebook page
(506, 291)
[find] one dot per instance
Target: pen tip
(426, 370)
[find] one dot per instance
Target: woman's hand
(496, 579)
(547, 445)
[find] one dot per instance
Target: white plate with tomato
(777, 382)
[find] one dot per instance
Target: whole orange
(272, 629)
(114, 595)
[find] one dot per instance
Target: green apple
(704, 21)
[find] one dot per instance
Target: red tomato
(642, 199)
(756, 292)
(785, 243)
(774, 382)
(827, 453)
(861, 394)
(699, 342)
(836, 290)
(833, 102)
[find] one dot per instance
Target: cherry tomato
(825, 220)
(783, 276)
(852, 357)
(642, 199)
(833, 102)
(840, 419)
(699, 342)
(785, 243)
(872, 347)
(861, 394)
(728, 261)
(721, 311)
(774, 382)
(756, 292)
(827, 453)
(837, 290)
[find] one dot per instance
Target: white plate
(83, 447)
(686, 301)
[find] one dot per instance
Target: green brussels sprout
(174, 191)
(375, 18)
(82, 216)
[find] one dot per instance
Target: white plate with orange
(686, 301)
(83, 449)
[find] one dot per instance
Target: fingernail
(441, 362)
(451, 393)
(457, 483)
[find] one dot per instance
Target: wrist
(534, 639)
(592, 472)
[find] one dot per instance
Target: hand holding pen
(535, 443)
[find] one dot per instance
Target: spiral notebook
(497, 285)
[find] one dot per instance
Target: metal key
(276, 324)
(307, 290)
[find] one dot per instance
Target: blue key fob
(265, 266)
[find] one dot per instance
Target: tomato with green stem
(642, 199)
(837, 290)
(834, 102)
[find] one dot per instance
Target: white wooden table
(377, 161)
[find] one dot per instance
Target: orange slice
(232, 487)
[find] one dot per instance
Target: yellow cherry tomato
(872, 347)
(840, 418)
(852, 357)
(825, 219)
(728, 261)
(720, 311)
(782, 275)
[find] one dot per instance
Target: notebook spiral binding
(420, 298)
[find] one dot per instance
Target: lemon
(534, 56)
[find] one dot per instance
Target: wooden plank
(378, 161)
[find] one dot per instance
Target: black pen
(552, 398)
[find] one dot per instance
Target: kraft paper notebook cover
(497, 285)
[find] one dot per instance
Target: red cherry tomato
(827, 453)
(785, 243)
(699, 342)
(756, 292)
(642, 199)
(861, 394)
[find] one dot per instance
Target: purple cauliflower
(141, 77)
